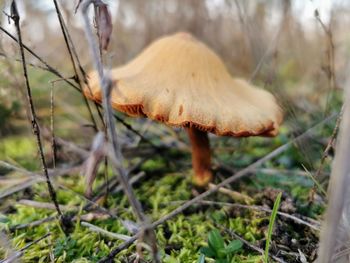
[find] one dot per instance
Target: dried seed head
(104, 25)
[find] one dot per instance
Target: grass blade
(272, 222)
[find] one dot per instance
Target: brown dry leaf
(104, 24)
(92, 163)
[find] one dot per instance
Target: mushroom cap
(178, 80)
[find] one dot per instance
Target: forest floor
(162, 182)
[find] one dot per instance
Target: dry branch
(339, 181)
(71, 49)
(58, 74)
(115, 155)
(35, 126)
(312, 224)
(104, 232)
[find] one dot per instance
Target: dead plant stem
(58, 74)
(70, 47)
(35, 125)
(115, 155)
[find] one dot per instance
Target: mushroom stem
(200, 156)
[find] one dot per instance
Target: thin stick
(65, 36)
(115, 149)
(14, 189)
(55, 72)
(114, 184)
(296, 219)
(33, 223)
(52, 124)
(106, 88)
(45, 205)
(330, 70)
(36, 178)
(339, 182)
(331, 142)
(20, 61)
(267, 53)
(51, 69)
(35, 125)
(237, 196)
(104, 232)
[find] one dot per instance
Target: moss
(21, 150)
(163, 189)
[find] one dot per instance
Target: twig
(297, 219)
(245, 27)
(70, 48)
(53, 139)
(114, 182)
(36, 130)
(49, 68)
(114, 185)
(317, 185)
(237, 196)
(44, 205)
(20, 252)
(106, 88)
(270, 171)
(207, 193)
(91, 204)
(104, 232)
(33, 223)
(331, 142)
(85, 217)
(11, 190)
(251, 246)
(36, 177)
(55, 72)
(13, 167)
(341, 254)
(83, 153)
(6, 246)
(330, 70)
(115, 149)
(338, 194)
(20, 61)
(133, 180)
(268, 52)
(68, 145)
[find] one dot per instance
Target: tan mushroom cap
(180, 81)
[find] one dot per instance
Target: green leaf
(215, 240)
(201, 259)
(221, 253)
(222, 260)
(207, 251)
(234, 246)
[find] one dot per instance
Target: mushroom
(180, 81)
